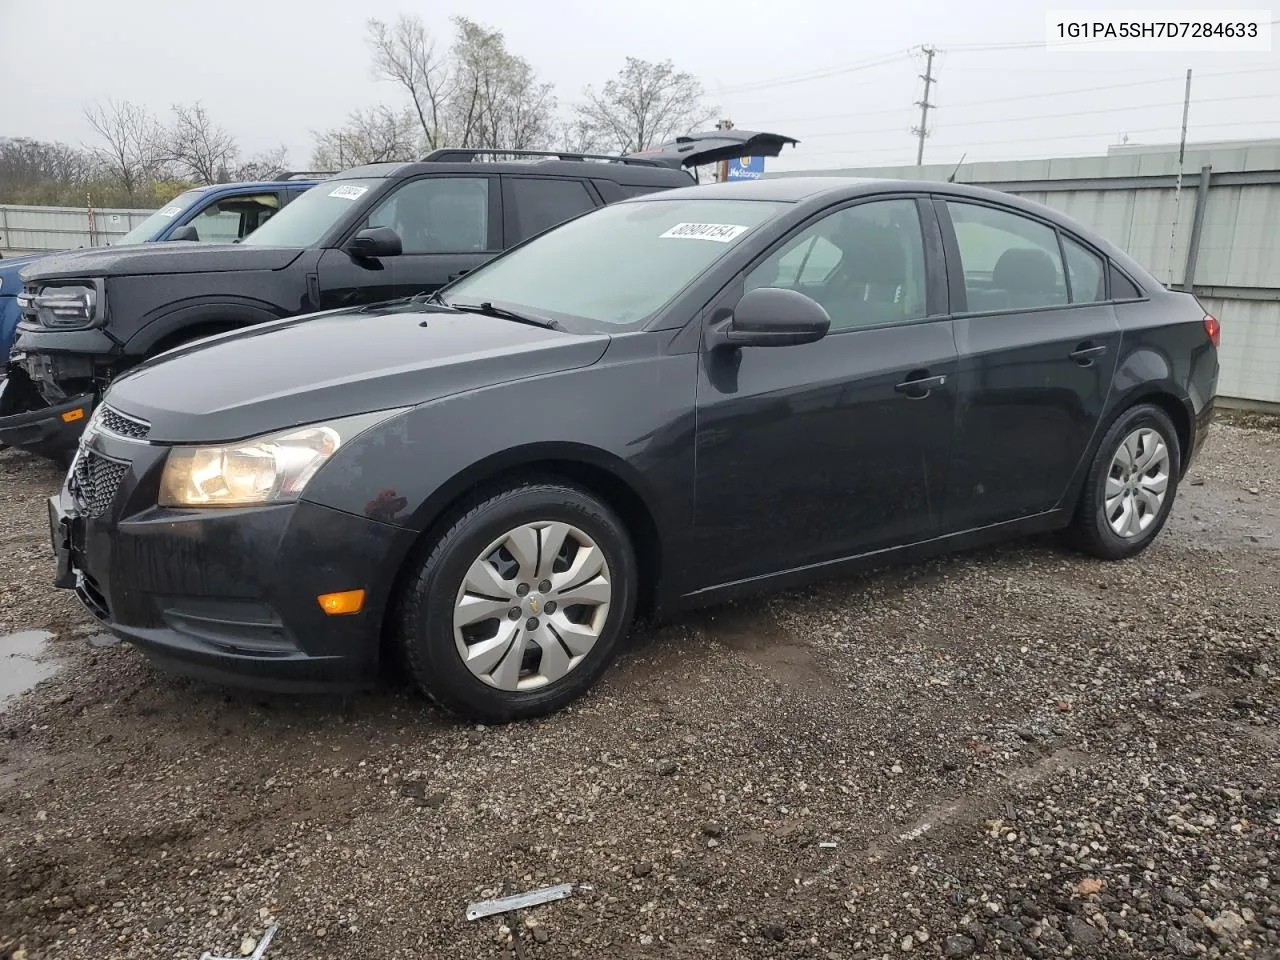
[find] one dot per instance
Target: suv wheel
(1131, 485)
(520, 604)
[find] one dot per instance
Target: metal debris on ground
(256, 955)
(487, 908)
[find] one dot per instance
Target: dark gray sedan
(669, 401)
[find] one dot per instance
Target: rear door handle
(1085, 353)
(919, 387)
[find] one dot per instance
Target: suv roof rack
(303, 174)
(469, 154)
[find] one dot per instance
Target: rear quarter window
(1122, 288)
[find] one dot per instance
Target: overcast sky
(272, 71)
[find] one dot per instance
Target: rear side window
(539, 204)
(1086, 269)
(1122, 288)
(1010, 262)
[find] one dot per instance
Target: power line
(824, 74)
(966, 145)
(1030, 96)
(1037, 116)
(884, 59)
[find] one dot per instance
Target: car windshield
(149, 228)
(619, 265)
(308, 218)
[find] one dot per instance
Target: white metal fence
(37, 229)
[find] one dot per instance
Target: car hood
(11, 266)
(158, 258)
(340, 363)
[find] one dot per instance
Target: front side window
(231, 218)
(865, 265)
(438, 215)
(619, 265)
(306, 221)
(1010, 262)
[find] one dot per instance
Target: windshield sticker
(349, 192)
(170, 211)
(719, 232)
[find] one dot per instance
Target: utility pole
(722, 168)
(922, 131)
(1177, 189)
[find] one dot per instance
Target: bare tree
(497, 101)
(645, 105)
(134, 141)
(200, 148)
(264, 165)
(404, 54)
(369, 136)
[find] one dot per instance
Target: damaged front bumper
(30, 422)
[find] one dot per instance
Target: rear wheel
(1131, 485)
(520, 604)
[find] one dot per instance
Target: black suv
(371, 234)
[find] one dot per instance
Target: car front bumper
(225, 595)
(28, 423)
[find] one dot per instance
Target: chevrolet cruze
(669, 401)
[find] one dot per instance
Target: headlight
(270, 469)
(67, 304)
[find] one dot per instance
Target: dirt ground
(1017, 751)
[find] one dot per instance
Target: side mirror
(374, 242)
(185, 232)
(771, 317)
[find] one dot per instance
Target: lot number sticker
(349, 192)
(170, 211)
(719, 232)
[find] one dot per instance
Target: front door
(446, 224)
(811, 453)
(1038, 345)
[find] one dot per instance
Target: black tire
(424, 631)
(1090, 532)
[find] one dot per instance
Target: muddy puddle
(25, 660)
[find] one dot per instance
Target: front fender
(632, 420)
(228, 312)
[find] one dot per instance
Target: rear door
(1038, 342)
(534, 204)
(447, 224)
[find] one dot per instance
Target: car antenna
(952, 178)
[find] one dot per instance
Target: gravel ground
(1017, 751)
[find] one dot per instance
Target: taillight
(1213, 328)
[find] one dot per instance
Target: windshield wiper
(489, 309)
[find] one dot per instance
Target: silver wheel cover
(1137, 483)
(532, 606)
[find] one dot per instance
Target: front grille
(95, 480)
(113, 421)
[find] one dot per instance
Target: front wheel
(520, 604)
(1131, 485)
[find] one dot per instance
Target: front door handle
(1085, 353)
(919, 387)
